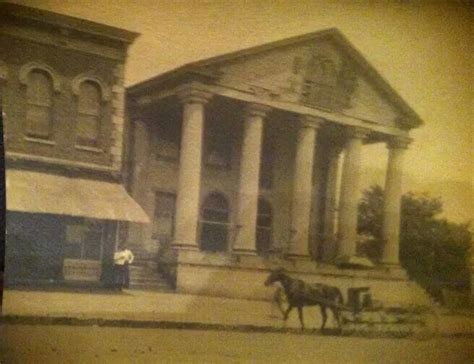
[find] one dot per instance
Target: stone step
(152, 287)
(142, 269)
(153, 279)
(149, 276)
(146, 278)
(162, 285)
(144, 264)
(140, 253)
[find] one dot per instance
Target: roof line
(232, 55)
(66, 21)
(341, 41)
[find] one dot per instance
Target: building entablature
(380, 132)
(48, 28)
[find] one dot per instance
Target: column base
(298, 256)
(237, 251)
(353, 262)
(183, 246)
(302, 262)
(395, 270)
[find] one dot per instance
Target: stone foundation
(234, 276)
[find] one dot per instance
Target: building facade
(62, 91)
(252, 160)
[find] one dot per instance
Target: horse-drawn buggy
(295, 293)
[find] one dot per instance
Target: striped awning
(44, 193)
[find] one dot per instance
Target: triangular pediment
(320, 70)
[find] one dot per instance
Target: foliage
(433, 251)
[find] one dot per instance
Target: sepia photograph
(237, 181)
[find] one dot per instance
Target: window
(84, 240)
(89, 114)
(163, 222)
(214, 223)
(39, 96)
(218, 140)
(264, 227)
(168, 140)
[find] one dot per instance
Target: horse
(300, 294)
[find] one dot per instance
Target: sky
(423, 49)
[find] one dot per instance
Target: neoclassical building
(252, 160)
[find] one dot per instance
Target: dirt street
(75, 344)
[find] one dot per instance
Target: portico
(254, 166)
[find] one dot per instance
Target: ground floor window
(33, 247)
(214, 223)
(83, 239)
(53, 248)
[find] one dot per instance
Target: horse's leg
(335, 312)
(300, 314)
(324, 316)
(279, 300)
(287, 312)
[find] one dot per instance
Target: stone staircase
(147, 278)
(144, 273)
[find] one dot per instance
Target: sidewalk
(173, 310)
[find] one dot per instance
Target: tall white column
(392, 203)
(302, 186)
(189, 177)
(249, 179)
(329, 235)
(347, 227)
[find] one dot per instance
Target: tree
(433, 251)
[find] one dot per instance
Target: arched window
(264, 227)
(214, 223)
(89, 113)
(39, 101)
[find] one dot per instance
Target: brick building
(62, 90)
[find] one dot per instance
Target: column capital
(309, 121)
(357, 132)
(193, 93)
(257, 110)
(398, 142)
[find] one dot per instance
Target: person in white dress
(122, 259)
